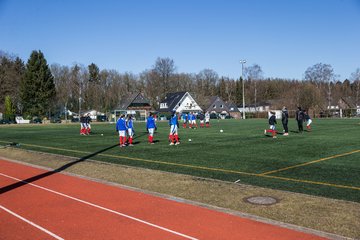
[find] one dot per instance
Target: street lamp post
(242, 62)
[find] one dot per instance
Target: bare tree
(207, 80)
(254, 73)
(319, 74)
(355, 78)
(164, 68)
(62, 85)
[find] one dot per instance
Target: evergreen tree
(94, 73)
(37, 87)
(238, 92)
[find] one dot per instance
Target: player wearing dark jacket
(300, 118)
(284, 120)
(272, 122)
(83, 125)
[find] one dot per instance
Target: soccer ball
(221, 130)
(102, 134)
(189, 139)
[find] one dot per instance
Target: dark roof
(135, 98)
(171, 100)
(231, 105)
(217, 101)
(347, 102)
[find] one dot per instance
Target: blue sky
(284, 37)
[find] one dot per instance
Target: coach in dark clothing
(284, 120)
(300, 119)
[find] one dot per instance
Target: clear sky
(284, 37)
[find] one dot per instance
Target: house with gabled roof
(223, 109)
(217, 105)
(135, 101)
(233, 110)
(179, 102)
(344, 106)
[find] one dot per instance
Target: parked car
(75, 119)
(7, 121)
(3, 121)
(55, 120)
(101, 118)
(36, 120)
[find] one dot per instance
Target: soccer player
(193, 123)
(308, 120)
(284, 120)
(82, 125)
(207, 119)
(130, 127)
(87, 123)
(201, 117)
(184, 117)
(300, 119)
(151, 127)
(174, 125)
(190, 119)
(272, 122)
(121, 128)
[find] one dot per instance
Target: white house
(179, 102)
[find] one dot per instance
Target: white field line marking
(103, 208)
(31, 223)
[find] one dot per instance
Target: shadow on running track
(60, 169)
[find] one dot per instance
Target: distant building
(135, 101)
(179, 102)
(344, 107)
(93, 114)
(233, 110)
(218, 106)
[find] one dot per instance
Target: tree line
(37, 89)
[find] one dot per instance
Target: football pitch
(323, 162)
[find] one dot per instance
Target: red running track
(36, 204)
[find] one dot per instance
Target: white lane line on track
(31, 223)
(102, 208)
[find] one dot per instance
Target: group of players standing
(85, 127)
(125, 127)
(190, 119)
(301, 116)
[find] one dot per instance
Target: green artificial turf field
(323, 162)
